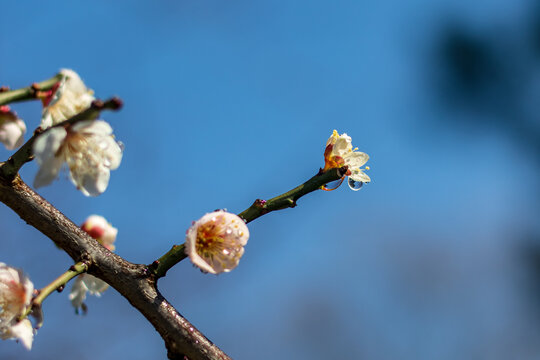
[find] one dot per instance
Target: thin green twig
(58, 283)
(259, 208)
(29, 92)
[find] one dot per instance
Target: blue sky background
(229, 101)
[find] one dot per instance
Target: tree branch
(12, 166)
(259, 208)
(29, 92)
(289, 199)
(133, 281)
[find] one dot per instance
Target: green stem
(11, 167)
(259, 208)
(62, 280)
(288, 200)
(29, 92)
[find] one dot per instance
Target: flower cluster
(215, 243)
(100, 229)
(89, 149)
(12, 128)
(338, 153)
(15, 298)
(67, 98)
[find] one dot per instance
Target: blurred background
(229, 101)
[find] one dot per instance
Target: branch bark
(134, 281)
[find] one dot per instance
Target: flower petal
(91, 183)
(359, 175)
(95, 127)
(47, 144)
(215, 243)
(24, 332)
(355, 159)
(12, 133)
(78, 292)
(113, 151)
(94, 285)
(45, 148)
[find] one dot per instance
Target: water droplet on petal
(355, 185)
(103, 145)
(332, 185)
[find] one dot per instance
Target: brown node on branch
(4, 88)
(260, 203)
(34, 89)
(117, 103)
(97, 104)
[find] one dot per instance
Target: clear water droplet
(355, 185)
(333, 185)
(103, 145)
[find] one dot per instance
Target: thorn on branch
(60, 288)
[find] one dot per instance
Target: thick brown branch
(133, 281)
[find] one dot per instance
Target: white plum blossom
(15, 298)
(67, 98)
(89, 149)
(100, 229)
(12, 129)
(215, 243)
(339, 152)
